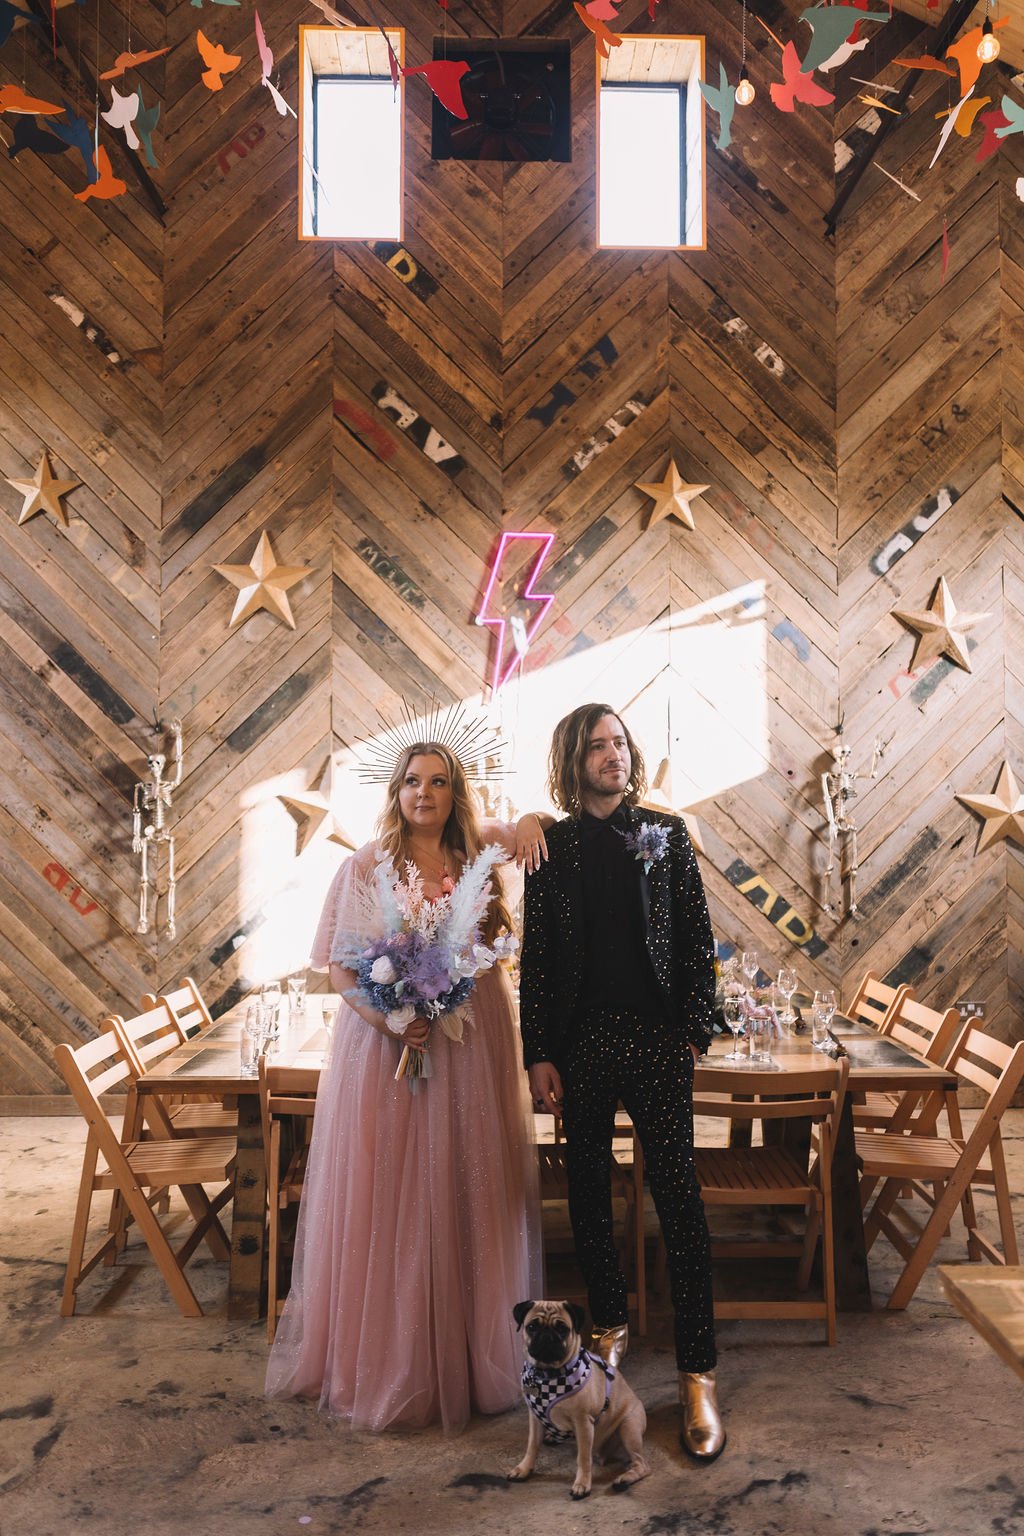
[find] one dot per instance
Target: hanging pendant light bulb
(988, 48)
(745, 92)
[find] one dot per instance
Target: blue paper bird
(77, 133)
(9, 14)
(146, 120)
(1014, 115)
(29, 135)
(832, 25)
(721, 99)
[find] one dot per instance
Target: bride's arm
(523, 840)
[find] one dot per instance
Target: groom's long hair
(569, 755)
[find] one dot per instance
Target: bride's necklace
(440, 873)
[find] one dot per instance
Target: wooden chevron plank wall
(386, 411)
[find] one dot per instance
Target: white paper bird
(122, 114)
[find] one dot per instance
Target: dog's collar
(544, 1386)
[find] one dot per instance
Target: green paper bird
(832, 25)
(146, 120)
(723, 101)
(1014, 115)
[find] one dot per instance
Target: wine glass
(296, 996)
(270, 996)
(787, 984)
(823, 1011)
(749, 965)
(733, 1015)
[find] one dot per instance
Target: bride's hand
(417, 1035)
(531, 845)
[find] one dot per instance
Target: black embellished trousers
(648, 1066)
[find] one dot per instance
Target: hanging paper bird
(122, 114)
(14, 99)
(604, 10)
(965, 115)
(198, 3)
(217, 60)
(29, 135)
(901, 184)
(443, 77)
(393, 64)
(131, 61)
(843, 53)
(604, 40)
(77, 133)
(965, 52)
(832, 25)
(146, 119)
(947, 129)
(721, 99)
(9, 14)
(926, 61)
(882, 106)
(1014, 118)
(106, 183)
(266, 65)
(796, 85)
(991, 122)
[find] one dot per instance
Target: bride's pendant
(447, 884)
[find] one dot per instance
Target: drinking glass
(251, 1041)
(787, 984)
(270, 995)
(296, 996)
(748, 964)
(761, 1033)
(733, 1015)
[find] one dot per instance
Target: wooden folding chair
(925, 1033)
(285, 1093)
(875, 1003)
(186, 1006)
(145, 1040)
(943, 1170)
(773, 1175)
(131, 1167)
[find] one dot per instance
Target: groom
(617, 987)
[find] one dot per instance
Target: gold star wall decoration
(941, 628)
(1003, 812)
(312, 811)
(672, 497)
(43, 493)
(262, 584)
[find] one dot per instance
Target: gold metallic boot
(611, 1343)
(703, 1434)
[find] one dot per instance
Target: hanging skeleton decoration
(838, 787)
(151, 799)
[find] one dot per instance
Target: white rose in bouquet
(383, 971)
(399, 1021)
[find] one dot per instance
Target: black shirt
(617, 969)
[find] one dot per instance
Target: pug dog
(572, 1393)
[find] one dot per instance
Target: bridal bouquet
(426, 955)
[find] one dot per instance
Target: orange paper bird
(926, 61)
(217, 60)
(965, 117)
(14, 99)
(604, 39)
(130, 61)
(965, 52)
(106, 184)
(883, 106)
(797, 86)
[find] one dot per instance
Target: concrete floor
(129, 1418)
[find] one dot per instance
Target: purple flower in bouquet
(649, 842)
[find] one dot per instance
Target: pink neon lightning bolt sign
(503, 670)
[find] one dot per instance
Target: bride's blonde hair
(461, 835)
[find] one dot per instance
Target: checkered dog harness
(544, 1386)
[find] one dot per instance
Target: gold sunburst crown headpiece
(471, 739)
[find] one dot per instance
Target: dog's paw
(580, 1490)
(519, 1474)
(621, 1485)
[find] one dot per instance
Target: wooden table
(992, 1300)
(209, 1064)
(877, 1065)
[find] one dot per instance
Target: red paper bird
(131, 61)
(14, 99)
(106, 184)
(990, 143)
(393, 64)
(797, 86)
(604, 39)
(926, 61)
(443, 77)
(604, 10)
(217, 60)
(965, 52)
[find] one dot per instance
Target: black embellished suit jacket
(678, 931)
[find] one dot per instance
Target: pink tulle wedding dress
(419, 1227)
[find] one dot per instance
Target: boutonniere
(649, 842)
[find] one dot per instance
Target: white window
(650, 183)
(350, 131)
